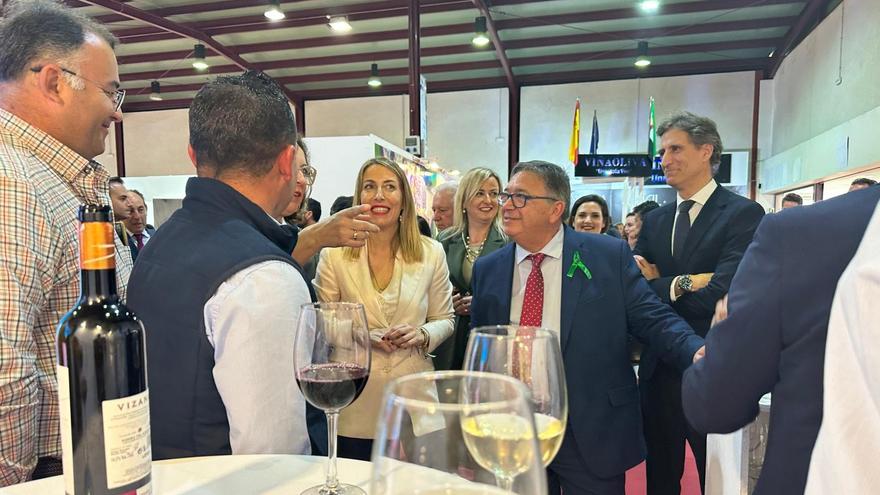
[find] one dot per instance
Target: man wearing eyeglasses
(588, 289)
(58, 98)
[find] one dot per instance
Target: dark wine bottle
(102, 376)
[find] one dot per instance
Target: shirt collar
(702, 195)
(87, 178)
(552, 249)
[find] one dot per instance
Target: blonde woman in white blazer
(402, 279)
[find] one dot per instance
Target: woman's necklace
(471, 253)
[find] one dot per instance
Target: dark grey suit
(715, 244)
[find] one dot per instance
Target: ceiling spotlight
(339, 24)
(642, 60)
(374, 81)
(649, 5)
(199, 62)
(480, 38)
(274, 12)
(155, 91)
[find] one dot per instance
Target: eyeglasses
(116, 96)
(309, 173)
(519, 199)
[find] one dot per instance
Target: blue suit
(597, 315)
(774, 337)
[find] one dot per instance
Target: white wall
(384, 116)
(468, 129)
(824, 114)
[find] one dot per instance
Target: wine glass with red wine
(331, 357)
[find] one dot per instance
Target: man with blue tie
(553, 277)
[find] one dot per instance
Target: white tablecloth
(232, 475)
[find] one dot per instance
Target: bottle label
(97, 249)
(66, 428)
(127, 452)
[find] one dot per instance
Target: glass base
(341, 489)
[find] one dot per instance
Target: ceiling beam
(633, 34)
(658, 70)
(497, 43)
(396, 8)
(171, 27)
(805, 21)
(491, 64)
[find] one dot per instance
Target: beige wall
(156, 142)
(384, 116)
(822, 112)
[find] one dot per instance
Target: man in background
(442, 206)
(791, 200)
(59, 95)
(312, 214)
(139, 232)
(688, 251)
(120, 201)
(861, 183)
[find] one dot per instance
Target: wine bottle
(102, 376)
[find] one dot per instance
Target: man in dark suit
(688, 251)
(774, 337)
(136, 226)
(553, 277)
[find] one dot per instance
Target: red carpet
(690, 482)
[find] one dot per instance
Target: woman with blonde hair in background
(400, 277)
(475, 232)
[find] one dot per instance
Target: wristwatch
(685, 283)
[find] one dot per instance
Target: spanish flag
(575, 134)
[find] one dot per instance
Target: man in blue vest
(217, 288)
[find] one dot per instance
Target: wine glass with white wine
(533, 356)
(457, 433)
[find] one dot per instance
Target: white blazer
(424, 300)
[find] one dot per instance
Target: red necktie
(140, 240)
(532, 310)
(533, 300)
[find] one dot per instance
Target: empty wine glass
(533, 356)
(456, 433)
(332, 363)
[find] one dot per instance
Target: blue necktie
(682, 227)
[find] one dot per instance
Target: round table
(230, 474)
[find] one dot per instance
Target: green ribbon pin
(576, 264)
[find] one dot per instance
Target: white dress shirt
(844, 457)
(699, 199)
(551, 269)
(145, 236)
(251, 322)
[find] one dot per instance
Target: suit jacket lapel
(411, 275)
(455, 258)
(664, 237)
(505, 287)
(359, 277)
(705, 220)
(494, 242)
(571, 286)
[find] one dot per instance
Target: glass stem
(504, 482)
(332, 483)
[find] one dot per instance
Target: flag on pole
(652, 133)
(573, 148)
(594, 138)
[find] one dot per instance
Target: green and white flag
(652, 132)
